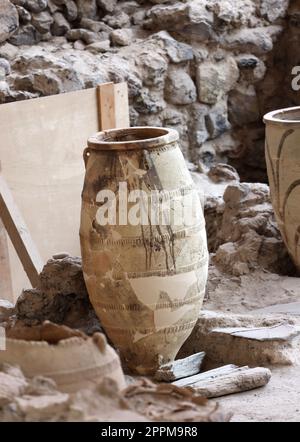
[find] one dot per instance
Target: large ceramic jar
(283, 164)
(143, 243)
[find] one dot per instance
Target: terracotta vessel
(283, 165)
(73, 362)
(145, 269)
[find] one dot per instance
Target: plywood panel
(41, 144)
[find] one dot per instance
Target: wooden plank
(113, 105)
(181, 368)
(211, 374)
(19, 234)
(106, 106)
(244, 379)
(121, 105)
(6, 290)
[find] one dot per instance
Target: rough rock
(107, 5)
(153, 67)
(118, 20)
(217, 119)
(8, 51)
(121, 37)
(36, 5)
(60, 24)
(88, 37)
(214, 80)
(4, 67)
(26, 35)
(249, 237)
(61, 298)
(178, 52)
(98, 47)
(256, 40)
(9, 19)
(244, 340)
(191, 18)
(24, 15)
(252, 69)
(71, 10)
(87, 8)
(243, 106)
(273, 9)
(42, 21)
(180, 88)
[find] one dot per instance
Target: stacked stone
(204, 67)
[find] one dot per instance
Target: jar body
(144, 252)
(283, 166)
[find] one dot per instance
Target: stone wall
(209, 68)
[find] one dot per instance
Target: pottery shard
(169, 403)
(9, 19)
(142, 402)
(214, 80)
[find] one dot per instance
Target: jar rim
(132, 138)
(285, 116)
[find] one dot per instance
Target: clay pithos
(283, 165)
(72, 359)
(143, 243)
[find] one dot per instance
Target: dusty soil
(243, 294)
(279, 401)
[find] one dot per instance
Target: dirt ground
(279, 401)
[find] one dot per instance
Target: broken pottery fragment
(169, 403)
(145, 271)
(283, 165)
(39, 400)
(72, 359)
(181, 368)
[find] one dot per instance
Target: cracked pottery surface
(146, 282)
